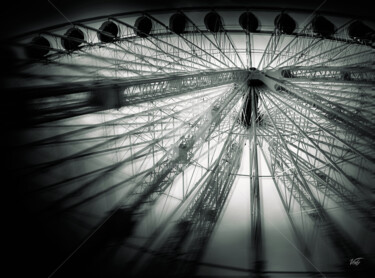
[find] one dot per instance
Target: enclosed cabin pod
(37, 48)
(248, 22)
(108, 32)
(177, 23)
(213, 22)
(361, 32)
(183, 152)
(144, 26)
(74, 37)
(210, 214)
(280, 89)
(215, 111)
(322, 26)
(285, 24)
(284, 91)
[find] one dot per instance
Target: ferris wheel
(133, 132)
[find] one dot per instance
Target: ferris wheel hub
(255, 78)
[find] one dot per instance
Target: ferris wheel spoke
(249, 52)
(125, 46)
(294, 166)
(256, 243)
(339, 55)
(192, 188)
(87, 64)
(318, 162)
(166, 59)
(159, 47)
(270, 50)
(224, 59)
(196, 224)
(305, 157)
(274, 42)
(334, 111)
(160, 228)
(302, 45)
(166, 62)
(286, 198)
(231, 49)
(302, 54)
(326, 155)
(354, 75)
(109, 171)
(164, 47)
(224, 43)
(358, 58)
(69, 100)
(337, 154)
(338, 193)
(85, 175)
(290, 154)
(303, 111)
(121, 136)
(333, 188)
(294, 49)
(294, 198)
(343, 245)
(190, 42)
(343, 92)
(139, 68)
(330, 184)
(361, 106)
(123, 118)
(165, 170)
(191, 142)
(172, 163)
(295, 52)
(322, 56)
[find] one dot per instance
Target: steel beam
(352, 74)
(196, 225)
(256, 247)
(156, 180)
(89, 97)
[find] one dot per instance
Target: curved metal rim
(188, 9)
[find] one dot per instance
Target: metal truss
(330, 74)
(182, 249)
(52, 103)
